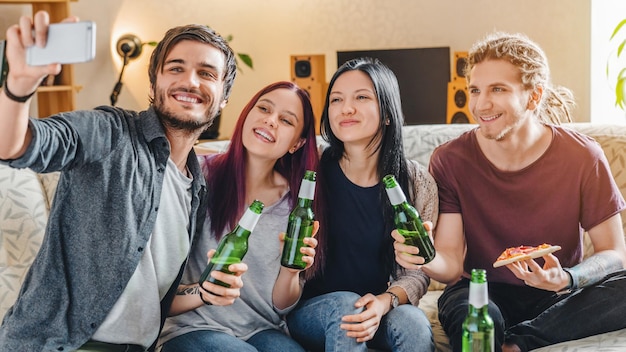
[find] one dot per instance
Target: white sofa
(25, 199)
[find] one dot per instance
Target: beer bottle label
(307, 189)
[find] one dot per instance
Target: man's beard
(502, 134)
(508, 129)
(177, 122)
(505, 132)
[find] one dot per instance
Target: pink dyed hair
(225, 172)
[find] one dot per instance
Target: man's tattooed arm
(593, 269)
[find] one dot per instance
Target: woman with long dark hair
(356, 296)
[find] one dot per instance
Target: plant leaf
(620, 96)
(247, 60)
(620, 84)
(619, 26)
(620, 48)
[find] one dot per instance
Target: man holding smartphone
(129, 198)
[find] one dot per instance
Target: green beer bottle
(408, 221)
(478, 332)
(234, 245)
(300, 224)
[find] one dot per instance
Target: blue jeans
(209, 340)
(314, 323)
(533, 318)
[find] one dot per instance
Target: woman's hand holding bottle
(308, 251)
(406, 255)
(219, 295)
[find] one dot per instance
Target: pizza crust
(532, 255)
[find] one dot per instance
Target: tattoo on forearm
(189, 290)
(593, 269)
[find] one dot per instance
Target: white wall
(273, 30)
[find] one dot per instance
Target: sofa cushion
(421, 140)
(608, 342)
(428, 303)
(614, 148)
(23, 216)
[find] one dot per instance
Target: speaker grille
(461, 62)
(309, 72)
(303, 68)
(460, 117)
(460, 99)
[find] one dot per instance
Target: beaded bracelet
(14, 97)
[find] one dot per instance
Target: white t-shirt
(163, 256)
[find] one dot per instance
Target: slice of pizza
(514, 254)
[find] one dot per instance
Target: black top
(356, 237)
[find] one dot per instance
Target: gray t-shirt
(253, 311)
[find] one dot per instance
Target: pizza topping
(520, 250)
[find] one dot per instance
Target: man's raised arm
(22, 82)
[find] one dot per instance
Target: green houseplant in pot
(617, 64)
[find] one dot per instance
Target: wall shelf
(61, 96)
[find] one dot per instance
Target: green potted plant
(619, 36)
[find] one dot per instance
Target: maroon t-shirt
(568, 190)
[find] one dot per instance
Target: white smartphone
(68, 43)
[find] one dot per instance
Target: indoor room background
(271, 31)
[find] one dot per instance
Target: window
(605, 15)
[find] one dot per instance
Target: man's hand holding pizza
(521, 261)
(550, 277)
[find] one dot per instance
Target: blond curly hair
(556, 102)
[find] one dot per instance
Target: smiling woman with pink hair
(272, 146)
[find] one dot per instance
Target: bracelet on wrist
(203, 300)
(200, 290)
(14, 97)
(572, 283)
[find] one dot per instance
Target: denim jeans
(533, 318)
(315, 322)
(209, 340)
